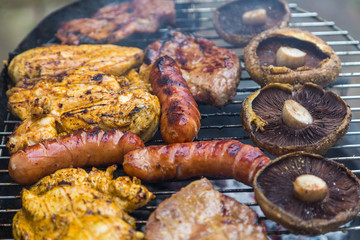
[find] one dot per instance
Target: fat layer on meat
(117, 21)
(52, 106)
(212, 73)
(199, 212)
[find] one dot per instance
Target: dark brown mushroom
(283, 118)
(318, 62)
(237, 22)
(275, 191)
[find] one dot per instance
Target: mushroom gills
(310, 188)
(290, 57)
(254, 17)
(294, 115)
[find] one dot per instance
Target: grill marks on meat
(180, 117)
(199, 212)
(114, 22)
(51, 107)
(216, 158)
(55, 60)
(212, 73)
(83, 148)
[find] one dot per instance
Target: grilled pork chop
(64, 205)
(115, 22)
(199, 212)
(212, 73)
(57, 105)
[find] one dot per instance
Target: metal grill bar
(201, 15)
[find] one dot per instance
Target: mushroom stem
(295, 115)
(290, 57)
(310, 188)
(254, 17)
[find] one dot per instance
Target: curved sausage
(217, 158)
(180, 116)
(83, 148)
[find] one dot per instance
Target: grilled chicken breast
(117, 21)
(199, 212)
(63, 209)
(212, 73)
(57, 59)
(52, 106)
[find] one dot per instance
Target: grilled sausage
(217, 158)
(83, 148)
(180, 116)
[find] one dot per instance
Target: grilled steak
(200, 212)
(212, 73)
(117, 21)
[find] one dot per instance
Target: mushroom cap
(261, 116)
(273, 186)
(322, 64)
(229, 25)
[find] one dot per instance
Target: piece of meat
(114, 22)
(56, 59)
(180, 116)
(53, 106)
(62, 209)
(216, 158)
(83, 148)
(199, 212)
(212, 73)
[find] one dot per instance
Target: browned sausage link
(180, 116)
(217, 158)
(83, 148)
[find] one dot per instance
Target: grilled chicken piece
(59, 105)
(117, 21)
(212, 73)
(199, 212)
(128, 195)
(54, 209)
(57, 59)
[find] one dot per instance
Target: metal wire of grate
(225, 122)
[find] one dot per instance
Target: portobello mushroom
(291, 56)
(283, 118)
(307, 193)
(237, 22)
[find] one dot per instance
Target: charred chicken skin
(53, 106)
(114, 22)
(199, 212)
(62, 205)
(212, 73)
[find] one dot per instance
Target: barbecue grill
(217, 123)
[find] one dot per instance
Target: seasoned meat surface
(212, 73)
(57, 105)
(117, 21)
(62, 205)
(57, 59)
(199, 212)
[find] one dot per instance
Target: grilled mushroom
(292, 56)
(282, 191)
(237, 22)
(282, 118)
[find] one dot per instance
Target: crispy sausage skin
(180, 116)
(83, 148)
(217, 158)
